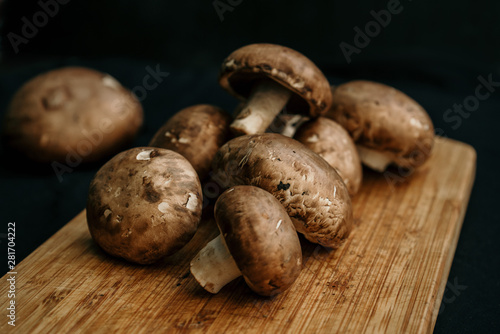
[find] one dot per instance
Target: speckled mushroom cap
(245, 66)
(333, 143)
(73, 110)
(385, 119)
(196, 132)
(260, 237)
(144, 204)
(312, 192)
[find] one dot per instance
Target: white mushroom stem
(265, 102)
(376, 160)
(292, 124)
(214, 267)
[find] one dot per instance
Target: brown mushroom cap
(252, 63)
(382, 118)
(261, 238)
(144, 204)
(333, 143)
(71, 110)
(196, 132)
(311, 191)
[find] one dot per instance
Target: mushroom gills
(214, 267)
(374, 159)
(267, 99)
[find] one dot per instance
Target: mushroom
(270, 77)
(311, 191)
(71, 114)
(257, 240)
(387, 125)
(196, 132)
(333, 143)
(144, 204)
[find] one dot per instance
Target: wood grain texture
(389, 276)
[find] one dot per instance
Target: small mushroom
(196, 133)
(333, 143)
(257, 240)
(311, 191)
(144, 204)
(270, 77)
(71, 114)
(387, 125)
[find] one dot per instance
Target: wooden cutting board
(389, 276)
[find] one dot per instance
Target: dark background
(432, 50)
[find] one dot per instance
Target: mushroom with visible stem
(333, 143)
(387, 125)
(270, 77)
(266, 101)
(311, 190)
(257, 241)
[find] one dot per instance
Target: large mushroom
(333, 143)
(71, 114)
(270, 77)
(257, 241)
(144, 204)
(387, 125)
(196, 132)
(311, 191)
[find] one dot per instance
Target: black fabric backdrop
(433, 51)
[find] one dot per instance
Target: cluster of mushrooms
(146, 202)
